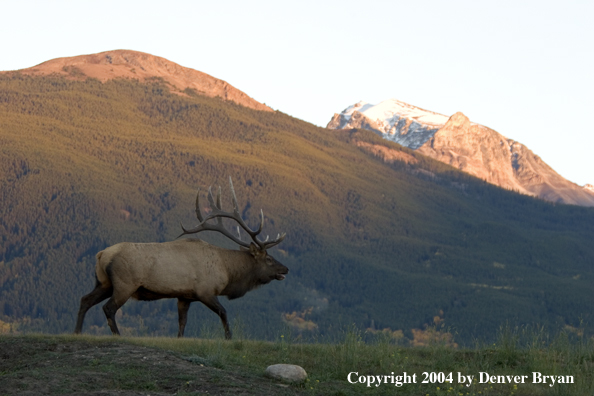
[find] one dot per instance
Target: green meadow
(516, 364)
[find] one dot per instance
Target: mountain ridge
(115, 64)
(378, 235)
(470, 147)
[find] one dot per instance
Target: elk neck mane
(243, 275)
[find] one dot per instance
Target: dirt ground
(48, 366)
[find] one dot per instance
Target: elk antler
(218, 214)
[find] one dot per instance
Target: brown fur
(187, 269)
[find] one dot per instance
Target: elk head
(266, 268)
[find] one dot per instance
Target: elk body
(187, 269)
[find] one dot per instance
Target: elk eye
(268, 260)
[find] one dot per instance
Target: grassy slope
(130, 366)
(84, 165)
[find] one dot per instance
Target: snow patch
(360, 107)
(400, 122)
(384, 113)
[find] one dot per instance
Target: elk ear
(256, 251)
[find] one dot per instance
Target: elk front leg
(214, 304)
(182, 311)
(93, 298)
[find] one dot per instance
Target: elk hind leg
(215, 306)
(182, 311)
(111, 307)
(93, 298)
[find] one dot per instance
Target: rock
(286, 372)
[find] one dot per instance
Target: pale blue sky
(521, 68)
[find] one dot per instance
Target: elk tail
(102, 270)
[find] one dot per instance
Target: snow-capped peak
(459, 142)
(383, 113)
(360, 107)
(398, 121)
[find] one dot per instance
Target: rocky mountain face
(141, 66)
(394, 120)
(470, 147)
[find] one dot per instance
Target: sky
(522, 68)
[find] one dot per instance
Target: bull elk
(186, 269)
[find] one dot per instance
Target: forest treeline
(85, 164)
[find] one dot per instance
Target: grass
(518, 352)
(240, 363)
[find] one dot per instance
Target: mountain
(116, 64)
(470, 147)
(397, 121)
(378, 235)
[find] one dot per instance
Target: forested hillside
(401, 245)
